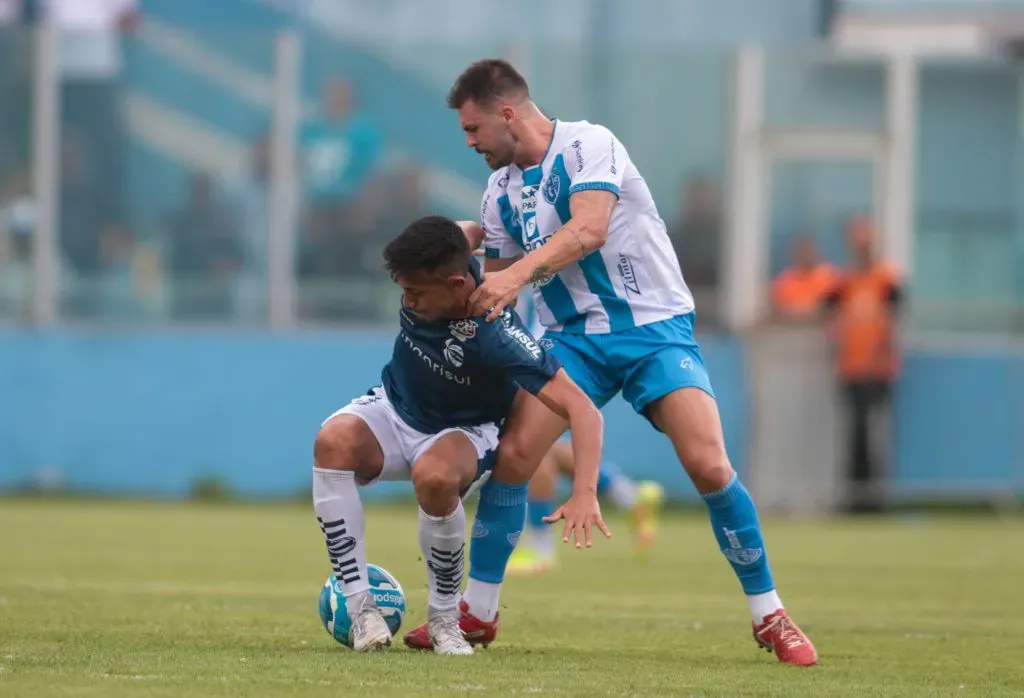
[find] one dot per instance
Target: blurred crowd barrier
(242, 168)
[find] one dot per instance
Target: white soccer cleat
(446, 635)
(370, 631)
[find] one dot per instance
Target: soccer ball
(385, 589)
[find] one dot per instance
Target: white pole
(283, 179)
(898, 173)
(744, 261)
(45, 165)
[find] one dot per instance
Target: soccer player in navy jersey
(435, 419)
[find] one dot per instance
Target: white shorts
(402, 445)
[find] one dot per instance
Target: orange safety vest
(866, 324)
(800, 291)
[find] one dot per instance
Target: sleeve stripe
(594, 186)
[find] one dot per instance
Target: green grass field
(116, 599)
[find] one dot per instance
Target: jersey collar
(554, 130)
(474, 270)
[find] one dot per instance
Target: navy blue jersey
(465, 372)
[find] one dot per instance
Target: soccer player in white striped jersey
(567, 211)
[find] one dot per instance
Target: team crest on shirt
(453, 353)
(552, 186)
(546, 344)
(463, 330)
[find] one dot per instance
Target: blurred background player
(536, 550)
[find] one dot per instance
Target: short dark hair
(428, 244)
(485, 81)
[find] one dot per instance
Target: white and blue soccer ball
(385, 589)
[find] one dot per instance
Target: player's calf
(690, 418)
(438, 476)
(344, 449)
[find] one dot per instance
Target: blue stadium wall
(151, 413)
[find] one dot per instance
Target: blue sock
(734, 520)
(536, 510)
(500, 516)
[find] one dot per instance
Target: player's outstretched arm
(581, 512)
(510, 346)
(585, 232)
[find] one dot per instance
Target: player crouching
(434, 419)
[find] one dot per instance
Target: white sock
(443, 543)
(482, 598)
(622, 492)
(340, 515)
(762, 605)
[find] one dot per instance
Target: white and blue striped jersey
(633, 280)
(527, 310)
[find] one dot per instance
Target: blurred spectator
(118, 287)
(81, 219)
(16, 55)
(697, 235)
(347, 268)
(800, 292)
(90, 65)
(865, 304)
(398, 199)
(340, 155)
(697, 239)
(205, 255)
(340, 152)
(17, 231)
(249, 199)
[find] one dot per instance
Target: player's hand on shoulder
(582, 513)
(498, 290)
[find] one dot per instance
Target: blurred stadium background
(185, 295)
(193, 198)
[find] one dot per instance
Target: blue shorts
(646, 363)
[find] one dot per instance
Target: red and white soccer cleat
(476, 631)
(778, 633)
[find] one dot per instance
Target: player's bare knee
(340, 444)
(515, 464)
(709, 468)
(437, 486)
